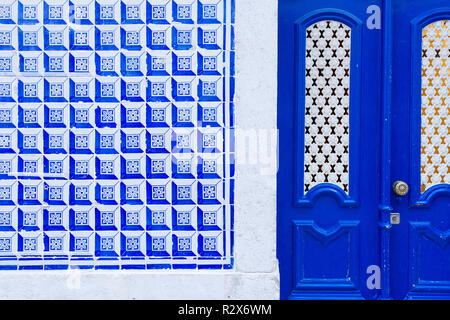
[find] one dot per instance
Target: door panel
(420, 248)
(328, 181)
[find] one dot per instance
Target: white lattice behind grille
(435, 128)
(327, 86)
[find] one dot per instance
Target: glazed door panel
(328, 182)
(420, 251)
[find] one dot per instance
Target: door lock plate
(395, 218)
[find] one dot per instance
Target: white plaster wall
(255, 275)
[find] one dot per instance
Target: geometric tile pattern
(435, 128)
(327, 98)
(115, 151)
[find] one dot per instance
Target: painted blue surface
(316, 261)
(326, 238)
(420, 251)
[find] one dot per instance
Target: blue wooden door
(328, 117)
(420, 250)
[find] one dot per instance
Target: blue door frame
(328, 238)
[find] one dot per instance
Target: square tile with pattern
(116, 146)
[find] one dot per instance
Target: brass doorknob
(400, 188)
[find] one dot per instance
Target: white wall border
(255, 273)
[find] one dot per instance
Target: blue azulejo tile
(30, 38)
(107, 244)
(183, 193)
(56, 167)
(8, 63)
(183, 38)
(133, 89)
(132, 64)
(158, 218)
(81, 12)
(209, 244)
(133, 141)
(133, 218)
(183, 115)
(132, 244)
(158, 64)
(158, 37)
(82, 141)
(81, 38)
(8, 37)
(158, 115)
(81, 219)
(210, 218)
(8, 11)
(158, 244)
(56, 115)
(158, 192)
(81, 116)
(81, 167)
(210, 38)
(210, 167)
(30, 115)
(29, 12)
(81, 192)
(132, 167)
(209, 63)
(183, 64)
(31, 90)
(7, 217)
(107, 90)
(183, 244)
(29, 219)
(210, 115)
(107, 12)
(56, 63)
(183, 89)
(132, 193)
(210, 89)
(107, 141)
(107, 116)
(107, 192)
(56, 38)
(158, 166)
(133, 12)
(132, 37)
(157, 90)
(183, 140)
(107, 167)
(55, 12)
(132, 115)
(107, 218)
(56, 141)
(183, 12)
(209, 12)
(56, 90)
(81, 62)
(183, 166)
(157, 13)
(8, 167)
(209, 191)
(184, 219)
(107, 38)
(6, 90)
(81, 89)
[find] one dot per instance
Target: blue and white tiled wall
(115, 143)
